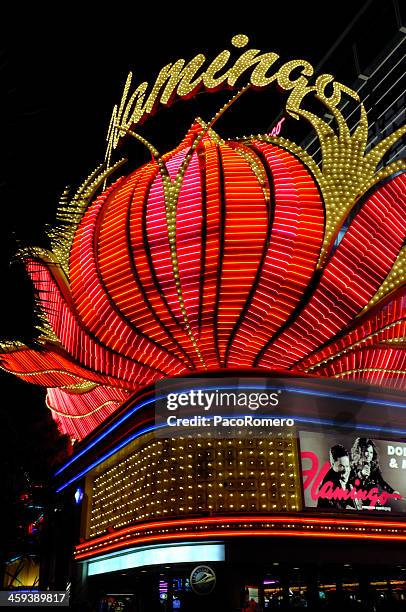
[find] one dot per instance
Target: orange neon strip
(382, 323)
(291, 257)
(350, 279)
(211, 251)
(245, 228)
(250, 533)
(241, 519)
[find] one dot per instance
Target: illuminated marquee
(222, 254)
(169, 478)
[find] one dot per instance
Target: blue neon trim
(256, 387)
(353, 398)
(105, 433)
(109, 453)
(389, 430)
(362, 426)
(319, 422)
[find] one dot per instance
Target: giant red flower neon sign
(221, 255)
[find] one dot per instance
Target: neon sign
(183, 280)
(183, 79)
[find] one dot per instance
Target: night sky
(59, 79)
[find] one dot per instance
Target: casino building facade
(232, 278)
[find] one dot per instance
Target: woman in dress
(365, 466)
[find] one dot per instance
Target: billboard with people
(350, 472)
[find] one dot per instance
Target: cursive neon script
(183, 79)
(330, 491)
(278, 127)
